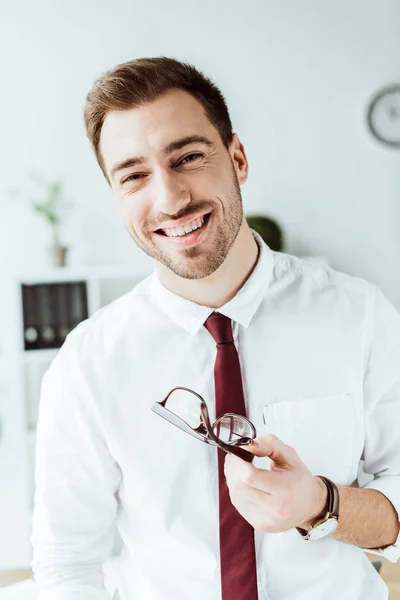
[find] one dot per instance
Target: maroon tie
(236, 535)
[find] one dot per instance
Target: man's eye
(191, 157)
(132, 177)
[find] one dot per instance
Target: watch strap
(332, 504)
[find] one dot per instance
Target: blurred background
(299, 79)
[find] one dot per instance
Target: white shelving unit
(21, 372)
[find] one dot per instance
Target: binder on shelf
(62, 301)
(78, 305)
(31, 332)
(46, 309)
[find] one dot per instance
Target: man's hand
(286, 496)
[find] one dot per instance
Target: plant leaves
(51, 204)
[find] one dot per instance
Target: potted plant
(268, 229)
(49, 203)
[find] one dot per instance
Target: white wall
(297, 76)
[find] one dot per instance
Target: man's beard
(208, 260)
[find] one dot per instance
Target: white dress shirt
(320, 358)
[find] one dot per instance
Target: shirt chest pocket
(321, 429)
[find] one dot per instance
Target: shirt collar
(241, 308)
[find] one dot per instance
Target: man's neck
(222, 285)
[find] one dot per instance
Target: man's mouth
(187, 229)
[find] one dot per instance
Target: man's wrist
(318, 508)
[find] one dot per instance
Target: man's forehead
(175, 111)
(150, 128)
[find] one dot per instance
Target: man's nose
(171, 193)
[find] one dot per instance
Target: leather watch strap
(332, 504)
(333, 496)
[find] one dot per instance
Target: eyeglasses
(187, 410)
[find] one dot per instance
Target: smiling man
(179, 193)
(305, 355)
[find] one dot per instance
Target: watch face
(324, 529)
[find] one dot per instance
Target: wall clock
(383, 115)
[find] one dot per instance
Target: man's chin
(193, 268)
(193, 263)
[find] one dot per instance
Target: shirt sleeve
(382, 414)
(76, 480)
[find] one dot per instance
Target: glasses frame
(205, 431)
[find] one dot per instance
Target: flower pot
(58, 256)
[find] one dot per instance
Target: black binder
(51, 311)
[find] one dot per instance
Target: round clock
(383, 115)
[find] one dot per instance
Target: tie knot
(220, 328)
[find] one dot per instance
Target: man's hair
(138, 82)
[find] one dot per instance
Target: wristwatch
(329, 523)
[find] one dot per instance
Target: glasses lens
(185, 406)
(232, 428)
(185, 410)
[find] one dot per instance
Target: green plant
(50, 204)
(268, 229)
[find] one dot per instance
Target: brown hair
(143, 80)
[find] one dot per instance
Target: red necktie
(236, 541)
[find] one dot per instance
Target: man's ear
(239, 159)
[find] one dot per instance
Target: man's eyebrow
(124, 164)
(189, 139)
(171, 147)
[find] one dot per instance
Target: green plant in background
(48, 202)
(268, 229)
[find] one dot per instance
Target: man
(312, 355)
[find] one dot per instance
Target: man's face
(174, 183)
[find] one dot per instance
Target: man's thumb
(273, 447)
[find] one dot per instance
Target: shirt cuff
(390, 487)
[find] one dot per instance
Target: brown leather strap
(332, 504)
(333, 496)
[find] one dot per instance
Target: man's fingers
(241, 473)
(270, 445)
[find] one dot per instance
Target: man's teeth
(179, 231)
